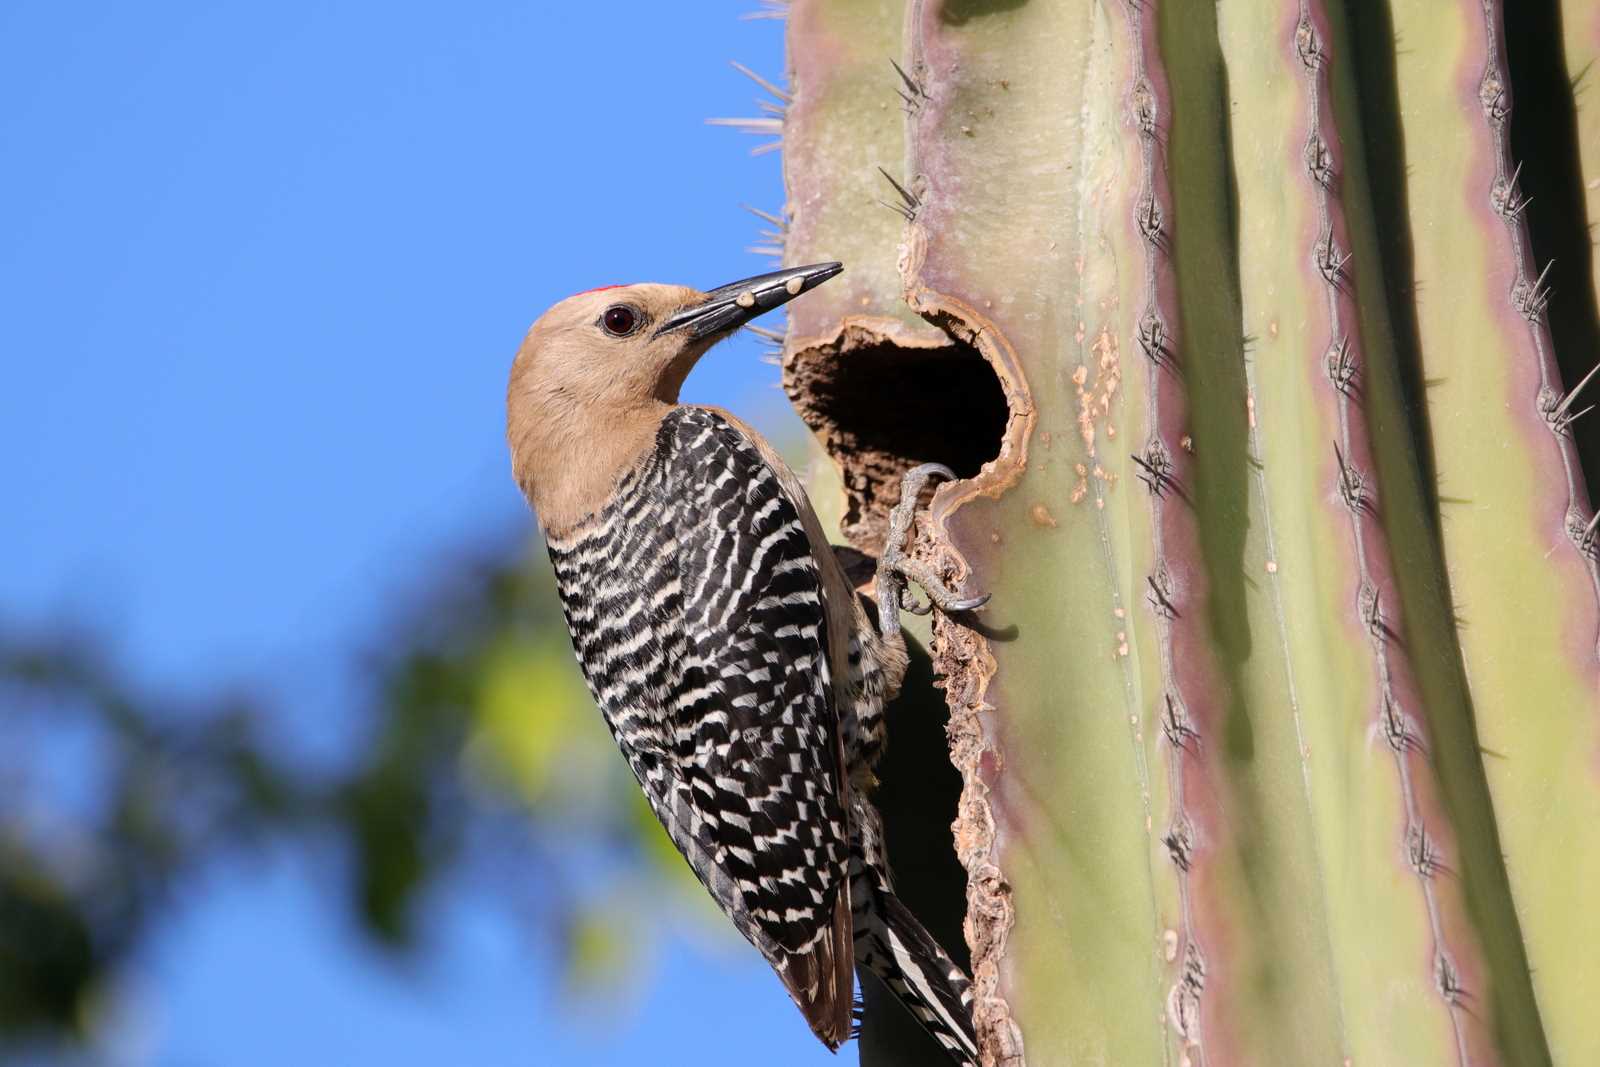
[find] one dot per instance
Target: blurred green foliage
(480, 752)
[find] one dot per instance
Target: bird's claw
(971, 603)
(895, 567)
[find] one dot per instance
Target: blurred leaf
(479, 724)
(599, 948)
(534, 731)
(47, 959)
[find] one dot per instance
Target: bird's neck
(569, 465)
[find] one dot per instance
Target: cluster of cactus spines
(773, 236)
(1251, 821)
(769, 9)
(768, 124)
(772, 242)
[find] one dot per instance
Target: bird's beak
(731, 306)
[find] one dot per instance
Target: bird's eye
(620, 320)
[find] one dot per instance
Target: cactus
(1279, 739)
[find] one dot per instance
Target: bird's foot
(895, 567)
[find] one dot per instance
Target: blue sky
(264, 267)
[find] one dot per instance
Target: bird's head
(595, 371)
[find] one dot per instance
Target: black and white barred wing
(756, 738)
(694, 605)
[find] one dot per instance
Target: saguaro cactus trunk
(1280, 737)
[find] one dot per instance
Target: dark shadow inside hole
(883, 408)
(918, 797)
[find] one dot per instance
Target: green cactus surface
(1280, 736)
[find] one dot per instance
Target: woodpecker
(738, 671)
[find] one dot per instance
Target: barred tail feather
(821, 980)
(913, 967)
(893, 945)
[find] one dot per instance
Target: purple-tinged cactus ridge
(1519, 573)
(1400, 711)
(1190, 703)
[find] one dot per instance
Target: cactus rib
(1530, 293)
(1189, 706)
(1377, 603)
(994, 267)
